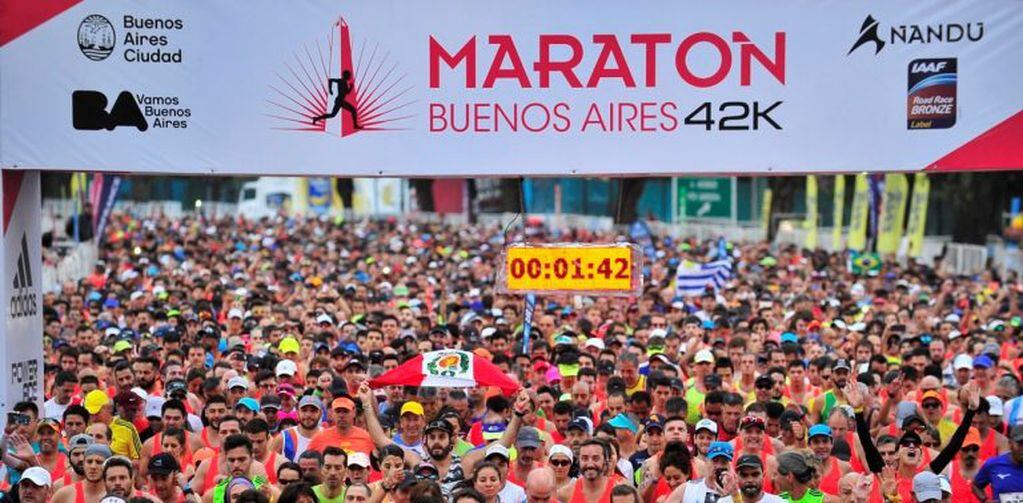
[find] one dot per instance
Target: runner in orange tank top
(821, 443)
(593, 484)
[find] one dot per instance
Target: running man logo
(325, 89)
(24, 301)
(868, 33)
(89, 112)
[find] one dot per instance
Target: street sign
(706, 198)
(605, 269)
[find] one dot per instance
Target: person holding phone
(16, 444)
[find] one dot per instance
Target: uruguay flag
(692, 279)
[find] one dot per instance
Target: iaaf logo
(324, 89)
(872, 33)
(24, 299)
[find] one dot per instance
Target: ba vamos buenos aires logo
(327, 87)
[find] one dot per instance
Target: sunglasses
(560, 463)
(285, 482)
(909, 443)
(971, 448)
(931, 405)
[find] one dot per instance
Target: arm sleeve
(983, 476)
(954, 444)
(874, 460)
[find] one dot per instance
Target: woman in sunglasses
(560, 460)
(910, 445)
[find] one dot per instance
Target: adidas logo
(24, 302)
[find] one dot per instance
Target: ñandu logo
(448, 364)
(327, 88)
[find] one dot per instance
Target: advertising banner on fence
(452, 88)
(21, 301)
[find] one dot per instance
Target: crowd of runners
(229, 360)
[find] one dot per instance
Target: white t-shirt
(512, 493)
(54, 410)
(764, 498)
(697, 491)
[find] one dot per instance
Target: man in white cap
(927, 487)
(358, 467)
(35, 486)
(992, 443)
(960, 371)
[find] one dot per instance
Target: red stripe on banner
(18, 17)
(999, 148)
(12, 187)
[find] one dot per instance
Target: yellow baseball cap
(121, 345)
(412, 408)
(288, 345)
(95, 400)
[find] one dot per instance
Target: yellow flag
(78, 186)
(893, 213)
(811, 212)
(765, 212)
(918, 214)
(859, 214)
(337, 205)
(836, 219)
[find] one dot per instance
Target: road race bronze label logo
(931, 97)
(331, 87)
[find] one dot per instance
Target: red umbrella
(447, 368)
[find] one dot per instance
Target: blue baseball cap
(249, 403)
(819, 430)
(983, 362)
(718, 449)
(622, 422)
(789, 337)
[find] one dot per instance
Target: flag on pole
(836, 219)
(527, 321)
(102, 196)
(893, 213)
(692, 279)
(811, 212)
(859, 215)
(918, 214)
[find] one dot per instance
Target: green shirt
(810, 496)
(321, 498)
(694, 399)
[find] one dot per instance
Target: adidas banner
(454, 88)
(21, 303)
